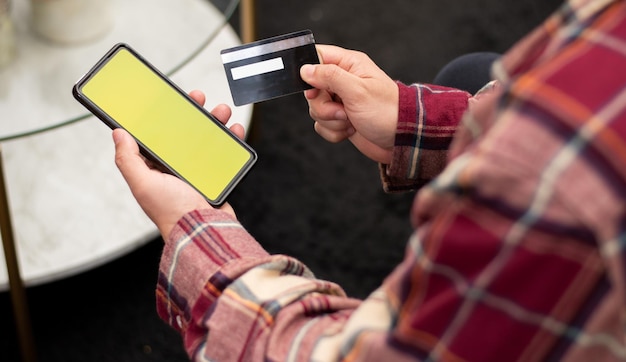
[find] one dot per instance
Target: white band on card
(267, 48)
(266, 66)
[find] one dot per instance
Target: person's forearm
(427, 121)
(220, 289)
(201, 246)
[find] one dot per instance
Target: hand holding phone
(164, 198)
(174, 132)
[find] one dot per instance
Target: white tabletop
(70, 207)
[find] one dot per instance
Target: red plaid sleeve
(427, 121)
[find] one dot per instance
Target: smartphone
(175, 133)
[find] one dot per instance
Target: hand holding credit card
(269, 68)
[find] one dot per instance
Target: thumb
(127, 157)
(328, 77)
(124, 144)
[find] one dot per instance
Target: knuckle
(119, 160)
(328, 134)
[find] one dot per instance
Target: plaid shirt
(518, 252)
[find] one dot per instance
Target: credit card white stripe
(257, 68)
(267, 48)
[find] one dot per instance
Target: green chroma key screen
(171, 126)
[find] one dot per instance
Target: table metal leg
(16, 285)
(248, 20)
(247, 24)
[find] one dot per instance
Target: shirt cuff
(427, 120)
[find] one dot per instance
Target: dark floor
(317, 201)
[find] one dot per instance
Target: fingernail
(307, 71)
(341, 115)
(116, 137)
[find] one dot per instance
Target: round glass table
(70, 208)
(64, 206)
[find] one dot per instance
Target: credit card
(269, 68)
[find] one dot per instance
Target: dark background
(319, 202)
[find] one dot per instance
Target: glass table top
(35, 88)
